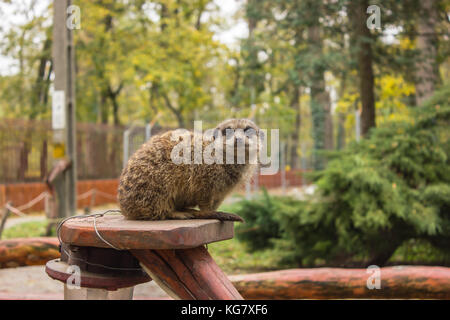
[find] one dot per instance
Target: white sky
(237, 28)
(228, 8)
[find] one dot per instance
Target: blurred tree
(427, 73)
(27, 43)
(362, 40)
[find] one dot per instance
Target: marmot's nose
(240, 139)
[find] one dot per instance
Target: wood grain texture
(27, 251)
(189, 273)
(402, 282)
(137, 234)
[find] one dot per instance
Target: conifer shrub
(373, 196)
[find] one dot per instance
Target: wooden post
(187, 274)
(4, 216)
(63, 61)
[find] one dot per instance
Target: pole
(63, 109)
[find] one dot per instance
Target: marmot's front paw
(224, 216)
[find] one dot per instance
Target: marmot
(153, 187)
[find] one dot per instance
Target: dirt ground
(32, 283)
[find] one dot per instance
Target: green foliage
(26, 230)
(261, 222)
(392, 187)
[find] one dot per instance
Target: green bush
(372, 197)
(262, 224)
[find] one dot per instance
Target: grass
(25, 230)
(233, 257)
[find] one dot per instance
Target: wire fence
(26, 149)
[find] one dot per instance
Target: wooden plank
(132, 234)
(182, 271)
(163, 274)
(28, 251)
(58, 270)
(208, 274)
(402, 282)
(189, 273)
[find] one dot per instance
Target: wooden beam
(402, 282)
(188, 274)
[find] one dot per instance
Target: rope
(97, 192)
(19, 210)
(33, 202)
(95, 216)
(15, 210)
(85, 195)
(106, 195)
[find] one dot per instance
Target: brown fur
(152, 187)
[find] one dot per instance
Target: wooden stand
(171, 252)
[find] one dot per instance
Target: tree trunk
(103, 107)
(341, 131)
(295, 105)
(362, 39)
(112, 95)
(40, 88)
(427, 73)
(177, 113)
(320, 101)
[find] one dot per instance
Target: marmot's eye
(224, 131)
(249, 131)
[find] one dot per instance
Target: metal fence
(26, 149)
(102, 150)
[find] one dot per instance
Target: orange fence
(20, 193)
(98, 192)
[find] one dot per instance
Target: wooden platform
(134, 234)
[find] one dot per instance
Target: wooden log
(188, 274)
(402, 282)
(28, 251)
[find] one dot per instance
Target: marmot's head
(240, 133)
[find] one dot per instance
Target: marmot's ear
(216, 133)
(261, 134)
